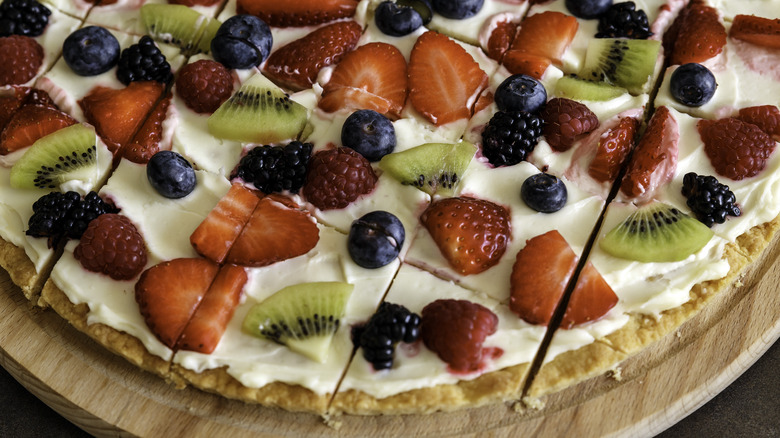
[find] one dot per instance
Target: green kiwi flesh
(173, 24)
(303, 317)
(623, 62)
(574, 88)
(259, 112)
(68, 154)
(435, 168)
(657, 233)
(208, 31)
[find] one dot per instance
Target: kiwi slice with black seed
(574, 88)
(178, 25)
(657, 232)
(435, 168)
(623, 62)
(303, 317)
(68, 154)
(259, 112)
(208, 31)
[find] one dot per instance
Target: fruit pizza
(385, 207)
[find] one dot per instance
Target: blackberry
(623, 20)
(391, 324)
(65, 215)
(709, 200)
(23, 17)
(276, 168)
(143, 62)
(510, 136)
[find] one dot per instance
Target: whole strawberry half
(613, 149)
(22, 58)
(541, 40)
(735, 148)
(565, 121)
(299, 12)
(472, 234)
(696, 35)
(30, 123)
(456, 330)
(337, 178)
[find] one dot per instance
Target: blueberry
(423, 7)
(375, 239)
(90, 51)
(396, 20)
(242, 41)
(544, 193)
(369, 133)
(692, 84)
(457, 9)
(588, 8)
(170, 174)
(520, 93)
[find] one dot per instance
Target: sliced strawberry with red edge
(766, 117)
(613, 149)
(146, 141)
(756, 30)
(501, 39)
(547, 34)
(520, 63)
(299, 12)
(696, 35)
(372, 76)
(30, 123)
(590, 300)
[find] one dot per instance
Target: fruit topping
(65, 155)
(520, 93)
(457, 9)
(22, 57)
(518, 62)
(654, 159)
(297, 64)
(171, 174)
(57, 215)
(146, 142)
(396, 20)
(242, 42)
(623, 62)
(736, 149)
(391, 324)
(501, 39)
(613, 150)
(143, 61)
(113, 246)
(709, 200)
(696, 35)
(472, 234)
(565, 121)
(510, 137)
(204, 85)
(444, 80)
(766, 117)
(456, 330)
(30, 123)
(304, 317)
(259, 112)
(756, 30)
(692, 84)
(623, 20)
(90, 51)
(299, 12)
(169, 293)
(542, 39)
(375, 239)
(434, 168)
(373, 76)
(656, 232)
(590, 300)
(338, 177)
(544, 193)
(274, 169)
(575, 88)
(176, 24)
(369, 133)
(588, 9)
(23, 17)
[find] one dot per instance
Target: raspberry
(276, 168)
(23, 17)
(22, 57)
(392, 323)
(709, 200)
(766, 117)
(510, 136)
(736, 149)
(564, 121)
(113, 246)
(204, 85)
(455, 331)
(337, 177)
(143, 61)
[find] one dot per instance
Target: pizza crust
(21, 269)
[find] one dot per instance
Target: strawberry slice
(540, 274)
(472, 234)
(444, 80)
(215, 235)
(169, 293)
(547, 34)
(501, 39)
(276, 231)
(298, 12)
(756, 30)
(613, 149)
(118, 114)
(590, 300)
(373, 76)
(146, 141)
(208, 323)
(696, 35)
(30, 123)
(296, 65)
(655, 158)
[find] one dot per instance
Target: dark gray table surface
(749, 407)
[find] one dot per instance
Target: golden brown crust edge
(20, 268)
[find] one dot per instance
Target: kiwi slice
(574, 88)
(303, 317)
(208, 31)
(435, 168)
(68, 154)
(259, 112)
(623, 62)
(178, 25)
(657, 232)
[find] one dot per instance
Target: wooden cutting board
(105, 395)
